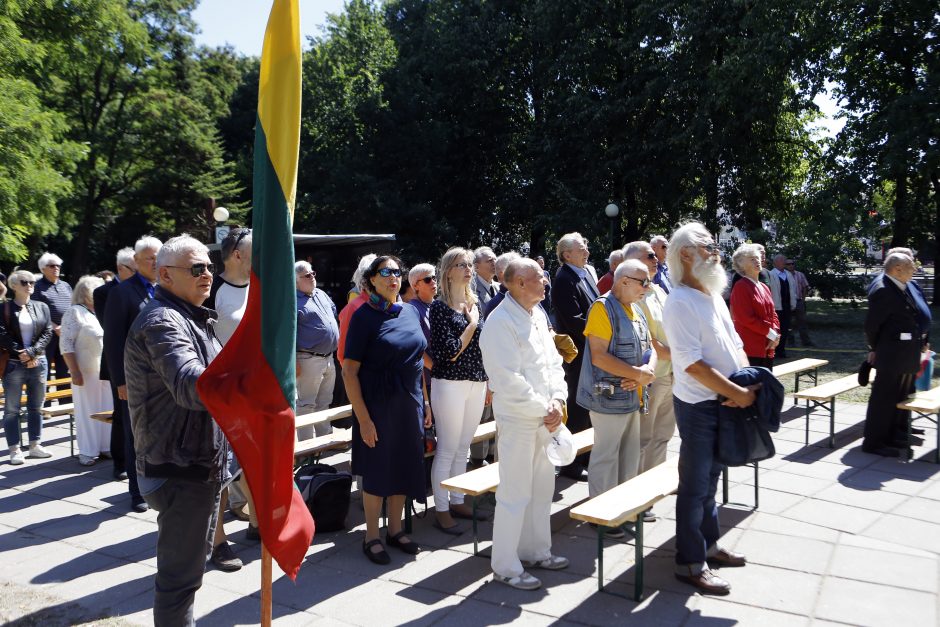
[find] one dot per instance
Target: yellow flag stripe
(279, 94)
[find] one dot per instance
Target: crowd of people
(648, 347)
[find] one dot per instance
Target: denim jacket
(628, 342)
(168, 347)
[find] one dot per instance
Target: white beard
(710, 274)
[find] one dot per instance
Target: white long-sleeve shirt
(521, 361)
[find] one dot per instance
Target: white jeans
(657, 427)
(314, 390)
(616, 453)
(457, 407)
(522, 527)
(93, 436)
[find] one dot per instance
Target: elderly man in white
(529, 389)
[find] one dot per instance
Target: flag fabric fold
(249, 389)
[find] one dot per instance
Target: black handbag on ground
(326, 491)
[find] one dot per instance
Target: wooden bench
(484, 480)
(806, 367)
(925, 405)
(825, 396)
(626, 503)
(103, 416)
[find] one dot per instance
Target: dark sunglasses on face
(429, 279)
(651, 255)
(197, 269)
(711, 247)
(643, 282)
(310, 275)
(387, 272)
(27, 283)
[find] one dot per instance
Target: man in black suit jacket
(896, 328)
(573, 292)
(124, 302)
(125, 270)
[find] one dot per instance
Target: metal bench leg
(807, 423)
(72, 434)
(724, 486)
(476, 537)
(756, 488)
(832, 422)
(600, 557)
(796, 389)
(638, 584)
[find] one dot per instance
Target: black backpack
(326, 491)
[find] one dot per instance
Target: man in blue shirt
(57, 294)
(660, 245)
(317, 339)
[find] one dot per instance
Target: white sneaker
(555, 562)
(36, 451)
(525, 581)
(86, 460)
(16, 457)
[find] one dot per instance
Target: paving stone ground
(840, 537)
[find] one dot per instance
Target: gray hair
(615, 255)
(81, 293)
(48, 259)
(358, 280)
(658, 239)
(125, 257)
(901, 250)
(780, 256)
(630, 264)
(742, 254)
(637, 249)
(517, 266)
(174, 248)
(566, 243)
(688, 235)
(302, 267)
(504, 260)
(18, 276)
(418, 272)
(897, 259)
(481, 252)
(149, 242)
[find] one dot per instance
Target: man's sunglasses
(711, 247)
(643, 282)
(651, 255)
(387, 272)
(429, 279)
(197, 269)
(310, 275)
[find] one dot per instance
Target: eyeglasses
(128, 267)
(651, 255)
(429, 279)
(711, 247)
(309, 275)
(387, 272)
(197, 269)
(53, 265)
(643, 282)
(463, 265)
(24, 283)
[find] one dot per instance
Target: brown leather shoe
(724, 557)
(707, 582)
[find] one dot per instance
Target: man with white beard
(705, 351)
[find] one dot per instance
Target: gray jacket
(168, 347)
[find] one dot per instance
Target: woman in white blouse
(81, 342)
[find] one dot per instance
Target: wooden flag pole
(265, 587)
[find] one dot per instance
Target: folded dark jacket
(766, 409)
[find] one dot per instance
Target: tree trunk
(935, 181)
(902, 221)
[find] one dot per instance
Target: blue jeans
(17, 375)
(696, 512)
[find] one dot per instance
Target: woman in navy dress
(382, 372)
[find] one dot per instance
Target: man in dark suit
(573, 292)
(125, 270)
(124, 302)
(897, 330)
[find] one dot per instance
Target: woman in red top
(752, 308)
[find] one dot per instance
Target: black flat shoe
(453, 530)
(381, 557)
(411, 547)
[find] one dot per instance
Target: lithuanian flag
(249, 387)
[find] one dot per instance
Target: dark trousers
(800, 323)
(784, 316)
(765, 362)
(884, 421)
(696, 511)
(130, 454)
(186, 519)
(117, 433)
(579, 418)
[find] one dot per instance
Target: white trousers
(314, 390)
(457, 407)
(522, 527)
(657, 427)
(616, 453)
(93, 436)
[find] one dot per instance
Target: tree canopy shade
(504, 122)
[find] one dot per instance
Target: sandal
(376, 557)
(525, 581)
(410, 547)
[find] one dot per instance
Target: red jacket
(605, 283)
(752, 310)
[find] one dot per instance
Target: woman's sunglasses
(387, 272)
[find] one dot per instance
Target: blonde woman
(82, 343)
(458, 381)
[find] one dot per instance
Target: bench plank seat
(805, 368)
(924, 405)
(324, 415)
(825, 396)
(103, 416)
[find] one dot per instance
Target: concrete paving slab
(872, 479)
(799, 554)
(833, 515)
(886, 568)
(906, 531)
(862, 603)
(714, 612)
(787, 526)
(880, 500)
